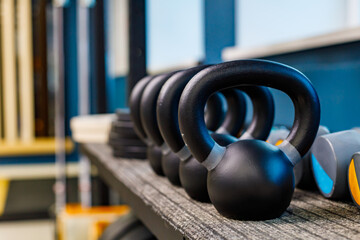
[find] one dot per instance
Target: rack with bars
(24, 100)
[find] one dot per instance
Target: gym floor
(29, 230)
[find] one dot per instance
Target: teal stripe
(324, 182)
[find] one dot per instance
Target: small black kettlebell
(215, 111)
(150, 125)
(149, 122)
(134, 105)
(232, 124)
(153, 151)
(192, 174)
(249, 179)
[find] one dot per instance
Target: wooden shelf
(40, 146)
(170, 214)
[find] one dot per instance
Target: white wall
(263, 22)
(174, 32)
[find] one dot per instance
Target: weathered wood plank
(309, 215)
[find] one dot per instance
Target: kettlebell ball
(249, 179)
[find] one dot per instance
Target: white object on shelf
(91, 128)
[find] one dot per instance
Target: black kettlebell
(235, 116)
(134, 106)
(157, 148)
(215, 111)
(232, 124)
(153, 151)
(192, 174)
(249, 179)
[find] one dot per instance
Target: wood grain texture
(309, 216)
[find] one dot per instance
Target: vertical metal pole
(60, 158)
(137, 43)
(85, 181)
(97, 55)
(83, 57)
(83, 62)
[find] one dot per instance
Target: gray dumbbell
(354, 178)
(302, 171)
(330, 160)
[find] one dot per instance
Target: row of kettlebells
(194, 140)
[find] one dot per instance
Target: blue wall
(115, 93)
(335, 73)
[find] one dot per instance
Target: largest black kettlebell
(149, 122)
(249, 179)
(192, 174)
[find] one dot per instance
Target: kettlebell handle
(134, 105)
(215, 111)
(263, 112)
(236, 111)
(241, 73)
(168, 103)
(148, 108)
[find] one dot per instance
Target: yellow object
(279, 142)
(4, 187)
(40, 146)
(78, 223)
(77, 209)
(97, 229)
(353, 183)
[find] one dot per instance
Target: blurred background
(65, 58)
